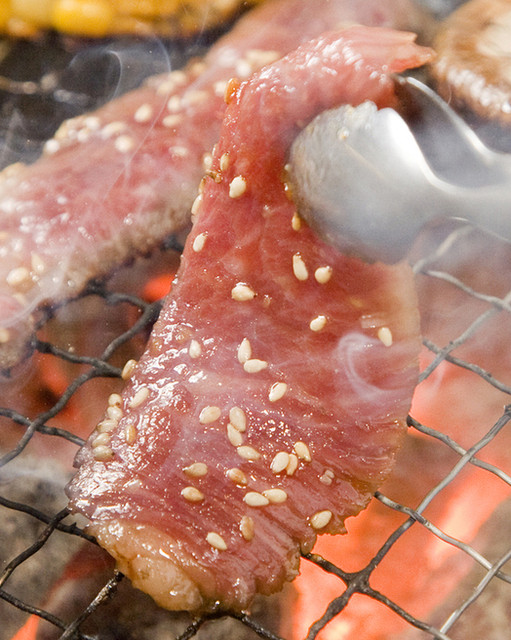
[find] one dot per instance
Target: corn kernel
(148, 8)
(37, 12)
(83, 17)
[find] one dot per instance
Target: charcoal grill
(479, 604)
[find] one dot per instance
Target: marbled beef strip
(115, 183)
(272, 396)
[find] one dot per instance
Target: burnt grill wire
(350, 583)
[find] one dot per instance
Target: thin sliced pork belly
(271, 399)
(116, 183)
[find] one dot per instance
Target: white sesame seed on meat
(280, 462)
(277, 391)
(237, 476)
(140, 397)
(216, 541)
(238, 418)
(244, 351)
(192, 494)
(255, 499)
(242, 292)
(237, 187)
(299, 268)
(209, 414)
(302, 451)
(196, 470)
(254, 365)
(320, 519)
(323, 274)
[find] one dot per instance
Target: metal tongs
(369, 181)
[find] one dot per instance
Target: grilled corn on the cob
(97, 18)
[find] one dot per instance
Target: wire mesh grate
(82, 369)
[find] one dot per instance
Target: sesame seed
(196, 470)
(216, 541)
(199, 240)
(320, 519)
(196, 68)
(114, 413)
(144, 113)
(195, 96)
(327, 477)
(237, 187)
(248, 453)
(5, 335)
(93, 123)
(38, 265)
(209, 414)
(224, 161)
(101, 440)
(124, 144)
(299, 268)
(219, 87)
(174, 103)
(317, 323)
(140, 397)
(254, 365)
(277, 391)
(244, 351)
(172, 120)
(255, 499)
(237, 476)
(235, 437)
(128, 369)
(51, 146)
(296, 222)
(130, 433)
(112, 128)
(179, 151)
(242, 292)
(207, 161)
(385, 335)
(106, 426)
(83, 135)
(114, 399)
(195, 349)
(260, 57)
(102, 453)
(302, 451)
(279, 462)
(18, 276)
(292, 464)
(275, 496)
(243, 68)
(238, 418)
(323, 274)
(178, 77)
(192, 494)
(247, 528)
(195, 210)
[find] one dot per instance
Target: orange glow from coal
(420, 571)
(158, 287)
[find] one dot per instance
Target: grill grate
(356, 583)
(37, 534)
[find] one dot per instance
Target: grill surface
(79, 353)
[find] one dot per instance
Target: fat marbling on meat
(115, 183)
(273, 393)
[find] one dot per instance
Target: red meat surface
(116, 183)
(271, 399)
